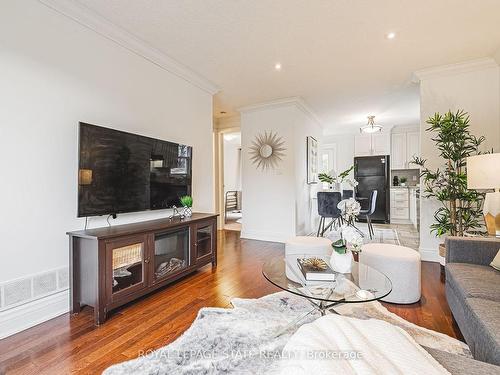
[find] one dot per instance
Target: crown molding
(451, 69)
(91, 20)
(296, 101)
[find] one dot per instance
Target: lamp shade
(483, 171)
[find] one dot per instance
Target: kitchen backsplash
(410, 174)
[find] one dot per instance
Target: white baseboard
(265, 236)
(430, 255)
(32, 313)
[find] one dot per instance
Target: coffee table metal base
(323, 309)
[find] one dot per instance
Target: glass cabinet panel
(171, 253)
(128, 267)
(204, 240)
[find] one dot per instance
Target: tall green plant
(461, 208)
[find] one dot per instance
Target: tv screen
(123, 172)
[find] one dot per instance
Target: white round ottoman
(400, 264)
(297, 247)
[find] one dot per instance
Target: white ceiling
(333, 53)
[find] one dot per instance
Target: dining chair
(368, 212)
(346, 194)
(327, 209)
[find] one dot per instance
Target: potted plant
(187, 203)
(343, 249)
(402, 181)
(460, 209)
(337, 180)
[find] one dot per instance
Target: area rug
(244, 340)
(380, 235)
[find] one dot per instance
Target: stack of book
(315, 269)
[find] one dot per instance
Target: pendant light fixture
(371, 127)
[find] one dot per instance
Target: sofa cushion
(460, 365)
(496, 261)
(485, 321)
(472, 280)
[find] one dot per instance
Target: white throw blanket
(334, 344)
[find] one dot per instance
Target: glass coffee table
(363, 284)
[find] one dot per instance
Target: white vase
(341, 262)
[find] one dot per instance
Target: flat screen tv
(123, 172)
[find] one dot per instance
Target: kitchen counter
(405, 187)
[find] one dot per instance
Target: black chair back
(346, 194)
(373, 202)
(327, 203)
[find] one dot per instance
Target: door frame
(219, 171)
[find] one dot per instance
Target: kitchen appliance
(373, 173)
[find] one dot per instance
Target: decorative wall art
(312, 160)
(267, 150)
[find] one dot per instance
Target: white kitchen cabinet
(372, 144)
(398, 151)
(412, 148)
(362, 145)
(404, 146)
(413, 207)
(381, 144)
(400, 205)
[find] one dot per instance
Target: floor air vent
(18, 292)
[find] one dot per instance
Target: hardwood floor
(71, 344)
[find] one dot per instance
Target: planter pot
(187, 212)
(341, 262)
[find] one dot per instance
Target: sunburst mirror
(267, 150)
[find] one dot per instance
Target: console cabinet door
(126, 266)
(204, 240)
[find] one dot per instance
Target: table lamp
(483, 172)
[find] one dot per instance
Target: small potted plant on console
(187, 203)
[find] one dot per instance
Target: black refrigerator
(373, 173)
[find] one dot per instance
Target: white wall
(344, 146)
(306, 214)
(475, 89)
(55, 73)
(276, 202)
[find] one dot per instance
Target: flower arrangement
(349, 243)
(350, 208)
(350, 240)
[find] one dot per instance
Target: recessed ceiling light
(277, 66)
(390, 35)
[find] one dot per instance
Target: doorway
(231, 181)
